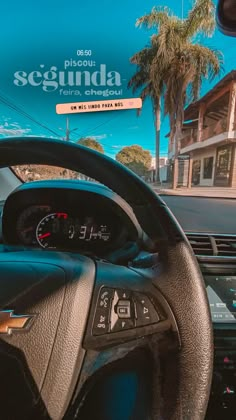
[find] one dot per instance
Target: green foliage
(174, 64)
(91, 143)
(135, 158)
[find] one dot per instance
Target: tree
(91, 143)
(135, 158)
(141, 80)
(179, 64)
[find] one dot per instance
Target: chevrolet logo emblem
(9, 321)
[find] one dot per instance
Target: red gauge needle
(27, 230)
(45, 235)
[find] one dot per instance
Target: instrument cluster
(44, 226)
(89, 220)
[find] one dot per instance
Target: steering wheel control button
(123, 294)
(121, 312)
(145, 312)
(123, 309)
(123, 324)
(114, 317)
(102, 314)
(105, 298)
(101, 322)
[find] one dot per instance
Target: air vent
(226, 246)
(201, 244)
(213, 245)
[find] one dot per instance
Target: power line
(91, 130)
(21, 112)
(109, 146)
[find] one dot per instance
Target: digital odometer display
(61, 231)
(221, 291)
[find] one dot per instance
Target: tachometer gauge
(50, 230)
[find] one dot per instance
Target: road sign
(98, 106)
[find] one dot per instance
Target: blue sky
(51, 33)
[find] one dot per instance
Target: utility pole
(67, 138)
(67, 129)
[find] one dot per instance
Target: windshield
(151, 84)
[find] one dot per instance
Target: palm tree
(141, 80)
(184, 62)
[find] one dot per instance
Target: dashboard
(68, 216)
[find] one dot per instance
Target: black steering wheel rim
(180, 283)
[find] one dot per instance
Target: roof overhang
(213, 141)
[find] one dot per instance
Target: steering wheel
(62, 299)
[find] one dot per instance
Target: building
(163, 165)
(162, 162)
(207, 154)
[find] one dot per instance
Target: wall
(163, 173)
(234, 169)
(201, 155)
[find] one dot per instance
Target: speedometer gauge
(27, 222)
(49, 232)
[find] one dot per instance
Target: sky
(55, 37)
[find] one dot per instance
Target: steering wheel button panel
(114, 314)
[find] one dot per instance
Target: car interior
(115, 302)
